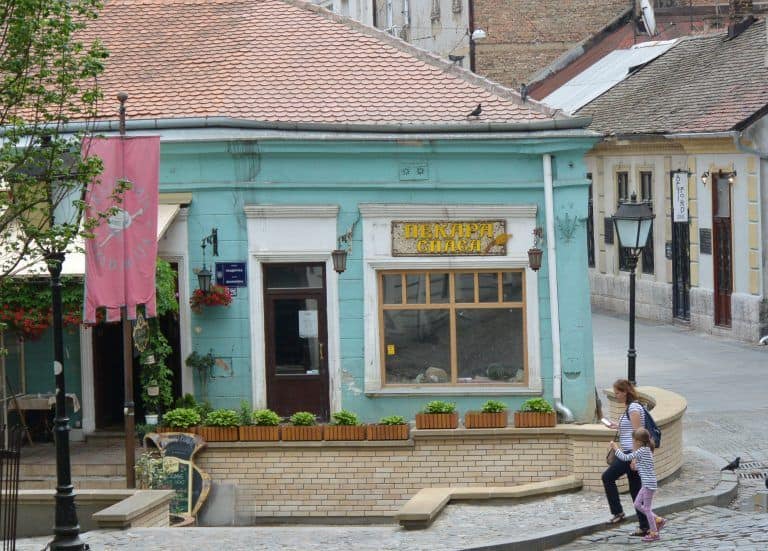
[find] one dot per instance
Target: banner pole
(128, 409)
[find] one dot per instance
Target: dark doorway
(681, 256)
(296, 339)
(108, 384)
(722, 249)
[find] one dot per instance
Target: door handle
(322, 354)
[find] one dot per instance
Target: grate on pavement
(752, 470)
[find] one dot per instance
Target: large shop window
(453, 327)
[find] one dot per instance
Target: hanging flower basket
(217, 296)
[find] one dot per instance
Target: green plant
(203, 364)
(439, 406)
(245, 413)
(539, 405)
(345, 417)
(222, 418)
(203, 408)
(494, 406)
(150, 472)
(265, 418)
(142, 429)
(186, 401)
(181, 418)
(303, 419)
(392, 420)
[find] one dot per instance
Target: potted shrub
(393, 427)
(180, 420)
(535, 412)
(345, 426)
(217, 296)
(262, 427)
(220, 425)
(303, 427)
(438, 415)
(493, 415)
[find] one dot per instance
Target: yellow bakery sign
(453, 238)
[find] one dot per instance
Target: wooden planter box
(437, 420)
(530, 419)
(344, 432)
(256, 433)
(219, 434)
(291, 432)
(481, 420)
(388, 432)
(190, 430)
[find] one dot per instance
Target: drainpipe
(554, 310)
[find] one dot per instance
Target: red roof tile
(282, 61)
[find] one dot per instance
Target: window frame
(451, 306)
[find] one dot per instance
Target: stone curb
(721, 495)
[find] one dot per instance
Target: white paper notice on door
(307, 324)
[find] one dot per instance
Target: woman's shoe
(618, 518)
(651, 536)
(639, 533)
(660, 523)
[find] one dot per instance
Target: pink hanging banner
(121, 257)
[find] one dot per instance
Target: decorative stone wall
(373, 479)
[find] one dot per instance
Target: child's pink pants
(644, 503)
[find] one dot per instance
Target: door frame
(258, 330)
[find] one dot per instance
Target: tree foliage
(48, 78)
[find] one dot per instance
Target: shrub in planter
(345, 426)
(263, 427)
(303, 427)
(438, 414)
(535, 412)
(492, 415)
(180, 419)
(392, 427)
(220, 425)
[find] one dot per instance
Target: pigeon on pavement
(733, 465)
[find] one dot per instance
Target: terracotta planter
(481, 420)
(530, 419)
(255, 433)
(218, 434)
(388, 432)
(292, 432)
(344, 432)
(437, 420)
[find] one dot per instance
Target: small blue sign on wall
(231, 274)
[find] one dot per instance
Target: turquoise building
(325, 135)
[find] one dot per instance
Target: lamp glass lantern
(339, 257)
(204, 279)
(633, 221)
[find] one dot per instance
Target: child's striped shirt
(644, 460)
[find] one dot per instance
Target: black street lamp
(66, 528)
(633, 223)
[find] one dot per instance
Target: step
(36, 470)
(90, 483)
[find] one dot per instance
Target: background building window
(646, 194)
(590, 226)
(453, 327)
(622, 194)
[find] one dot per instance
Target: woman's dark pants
(618, 469)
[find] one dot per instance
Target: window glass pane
(416, 288)
(489, 343)
(297, 348)
(512, 286)
(299, 276)
(393, 289)
(417, 347)
(465, 287)
(439, 288)
(723, 199)
(488, 287)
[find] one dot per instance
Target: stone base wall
(745, 315)
(157, 517)
(374, 479)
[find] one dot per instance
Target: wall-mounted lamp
(204, 275)
(339, 256)
(535, 253)
(731, 175)
(705, 178)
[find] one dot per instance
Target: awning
(74, 261)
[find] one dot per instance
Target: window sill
(437, 390)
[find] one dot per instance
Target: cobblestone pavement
(706, 528)
(460, 526)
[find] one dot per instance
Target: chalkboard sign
(705, 240)
(608, 230)
(178, 481)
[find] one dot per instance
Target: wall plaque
(705, 240)
(450, 238)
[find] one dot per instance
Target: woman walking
(632, 418)
(642, 455)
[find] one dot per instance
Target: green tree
(48, 78)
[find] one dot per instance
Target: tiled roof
(702, 84)
(283, 61)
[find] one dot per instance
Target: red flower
(217, 296)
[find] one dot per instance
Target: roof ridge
(427, 57)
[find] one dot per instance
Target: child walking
(642, 444)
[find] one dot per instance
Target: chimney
(739, 9)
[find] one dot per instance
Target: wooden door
(296, 339)
(722, 249)
(681, 255)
